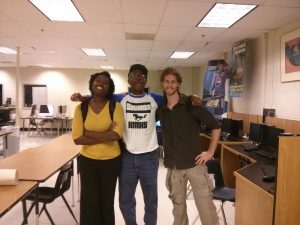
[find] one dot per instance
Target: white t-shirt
(139, 116)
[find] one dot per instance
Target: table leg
(58, 126)
(23, 126)
(36, 206)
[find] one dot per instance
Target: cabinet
(287, 203)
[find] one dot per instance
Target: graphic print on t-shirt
(138, 115)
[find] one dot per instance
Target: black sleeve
(204, 116)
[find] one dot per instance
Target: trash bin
(13, 140)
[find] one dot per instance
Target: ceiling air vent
(139, 36)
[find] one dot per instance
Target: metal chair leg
(24, 212)
(223, 213)
(48, 214)
(69, 208)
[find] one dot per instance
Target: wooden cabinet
(253, 205)
(287, 205)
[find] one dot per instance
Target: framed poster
(290, 56)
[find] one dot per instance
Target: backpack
(84, 106)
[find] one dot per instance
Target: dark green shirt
(180, 132)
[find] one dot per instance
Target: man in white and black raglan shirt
(140, 159)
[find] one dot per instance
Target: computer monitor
(255, 132)
(62, 109)
(157, 124)
(236, 128)
(270, 137)
(226, 125)
(44, 109)
(33, 108)
(4, 116)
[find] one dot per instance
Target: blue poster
(215, 91)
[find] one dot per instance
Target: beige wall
(264, 88)
(61, 83)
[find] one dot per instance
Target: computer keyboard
(269, 171)
(249, 146)
(268, 155)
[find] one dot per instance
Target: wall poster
(238, 70)
(215, 91)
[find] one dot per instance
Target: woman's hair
(111, 89)
(172, 71)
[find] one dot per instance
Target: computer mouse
(268, 178)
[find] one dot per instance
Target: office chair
(35, 125)
(220, 192)
(47, 195)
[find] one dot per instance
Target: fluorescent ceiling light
(93, 51)
(5, 50)
(224, 15)
(58, 10)
(107, 67)
(181, 55)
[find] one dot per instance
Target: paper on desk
(8, 177)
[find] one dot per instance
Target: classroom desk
(62, 121)
(204, 142)
(10, 195)
(40, 163)
(4, 135)
(254, 198)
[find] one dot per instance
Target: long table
(40, 163)
(12, 194)
(61, 120)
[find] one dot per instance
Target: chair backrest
(214, 167)
(33, 108)
(63, 180)
(32, 121)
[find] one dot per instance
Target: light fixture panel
(225, 15)
(181, 55)
(8, 51)
(58, 10)
(93, 51)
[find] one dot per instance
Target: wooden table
(40, 163)
(10, 195)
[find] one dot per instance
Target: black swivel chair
(220, 192)
(47, 195)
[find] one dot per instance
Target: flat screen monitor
(46, 110)
(255, 132)
(4, 116)
(157, 124)
(270, 137)
(236, 128)
(62, 109)
(226, 125)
